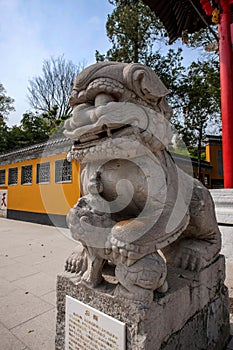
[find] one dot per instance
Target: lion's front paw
(73, 222)
(190, 255)
(76, 262)
(127, 253)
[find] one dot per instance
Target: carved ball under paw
(148, 273)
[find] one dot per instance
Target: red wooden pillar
(226, 82)
(231, 10)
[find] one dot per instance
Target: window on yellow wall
(220, 164)
(206, 179)
(43, 173)
(12, 176)
(2, 177)
(63, 171)
(26, 175)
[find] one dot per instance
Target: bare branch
(54, 87)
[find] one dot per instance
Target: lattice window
(220, 165)
(13, 176)
(63, 171)
(2, 177)
(26, 175)
(206, 179)
(43, 173)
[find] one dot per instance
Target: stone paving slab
(6, 288)
(50, 298)
(31, 256)
(38, 333)
(8, 341)
(37, 284)
(20, 306)
(17, 271)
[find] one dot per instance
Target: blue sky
(34, 30)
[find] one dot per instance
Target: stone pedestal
(223, 200)
(193, 314)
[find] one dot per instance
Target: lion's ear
(144, 82)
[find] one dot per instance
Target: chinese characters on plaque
(90, 329)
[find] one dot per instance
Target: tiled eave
(179, 15)
(44, 149)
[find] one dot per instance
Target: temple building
(38, 184)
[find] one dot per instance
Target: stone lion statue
(138, 210)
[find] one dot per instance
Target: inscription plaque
(89, 329)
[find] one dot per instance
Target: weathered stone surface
(193, 314)
(139, 210)
(144, 215)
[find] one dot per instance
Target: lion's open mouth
(92, 138)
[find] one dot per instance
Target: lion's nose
(102, 99)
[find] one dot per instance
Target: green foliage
(35, 127)
(6, 106)
(170, 70)
(203, 38)
(200, 101)
(181, 151)
(54, 122)
(136, 35)
(6, 103)
(132, 29)
(32, 129)
(49, 95)
(3, 135)
(17, 138)
(200, 105)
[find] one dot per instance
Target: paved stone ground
(31, 256)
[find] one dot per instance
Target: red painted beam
(226, 81)
(207, 7)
